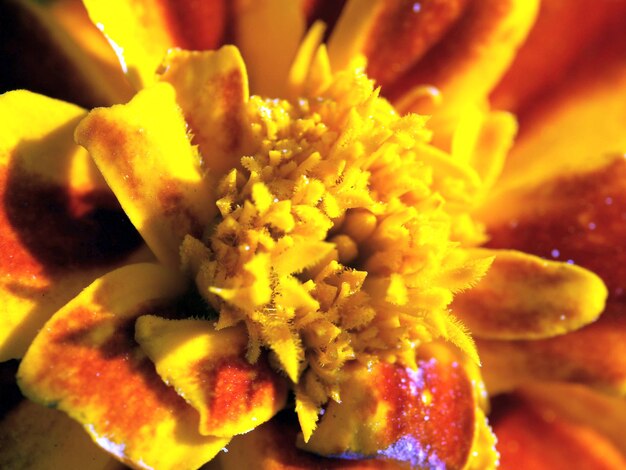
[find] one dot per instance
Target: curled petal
(86, 363)
(212, 90)
(141, 31)
(537, 437)
(526, 297)
(422, 417)
(143, 152)
(60, 226)
(209, 369)
(33, 436)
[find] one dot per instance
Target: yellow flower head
(326, 224)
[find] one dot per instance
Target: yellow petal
(351, 32)
(534, 436)
(484, 139)
(79, 65)
(305, 56)
(143, 152)
(212, 90)
(141, 31)
(281, 24)
(386, 410)
(33, 436)
(85, 362)
(60, 226)
(208, 368)
(526, 297)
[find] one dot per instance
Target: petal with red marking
(144, 153)
(209, 369)
(461, 48)
(422, 417)
(85, 362)
(526, 297)
(60, 226)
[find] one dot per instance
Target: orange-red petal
(60, 226)
(209, 369)
(526, 297)
(470, 59)
(576, 216)
(420, 417)
(532, 436)
(143, 151)
(566, 33)
(86, 363)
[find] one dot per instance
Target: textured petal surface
(212, 90)
(144, 153)
(86, 363)
(60, 226)
(538, 437)
(141, 31)
(525, 297)
(209, 369)
(33, 436)
(422, 417)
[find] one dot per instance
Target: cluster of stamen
(334, 238)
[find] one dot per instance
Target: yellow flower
(316, 242)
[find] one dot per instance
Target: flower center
(339, 236)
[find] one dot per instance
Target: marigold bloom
(320, 256)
